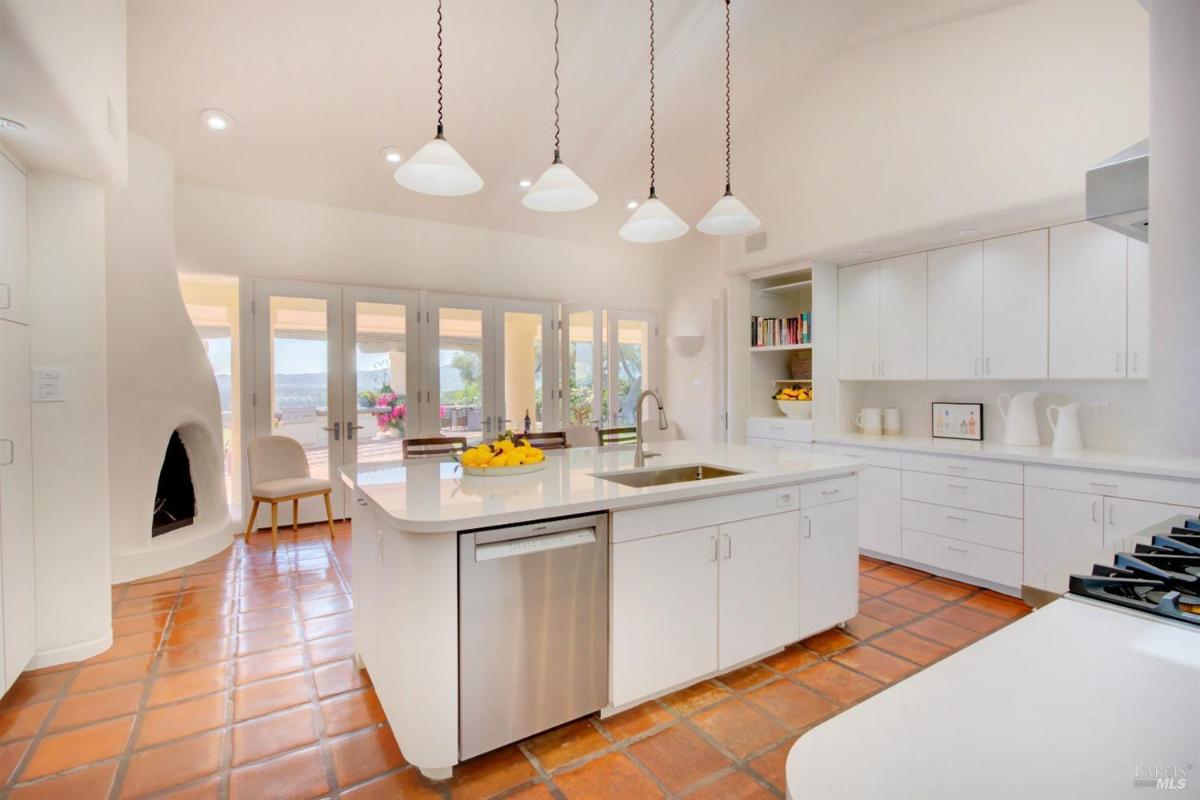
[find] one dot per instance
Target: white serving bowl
(797, 409)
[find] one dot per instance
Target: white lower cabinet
(1063, 530)
(972, 560)
(759, 602)
(879, 510)
(16, 503)
(1123, 517)
(828, 586)
(664, 612)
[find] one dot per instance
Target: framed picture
(958, 421)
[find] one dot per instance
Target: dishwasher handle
(532, 545)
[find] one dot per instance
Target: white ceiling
(317, 87)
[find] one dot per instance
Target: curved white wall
(159, 378)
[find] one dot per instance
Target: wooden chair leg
(329, 513)
(250, 523)
(295, 513)
(274, 525)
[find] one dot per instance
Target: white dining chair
(278, 473)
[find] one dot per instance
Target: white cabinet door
(956, 312)
(858, 322)
(902, 318)
(1138, 344)
(828, 566)
(1063, 534)
(664, 612)
(1087, 301)
(1124, 518)
(879, 510)
(16, 500)
(1015, 301)
(14, 256)
(760, 559)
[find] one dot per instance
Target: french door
(608, 358)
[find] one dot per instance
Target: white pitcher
(1065, 426)
(1020, 421)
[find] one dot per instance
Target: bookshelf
(783, 299)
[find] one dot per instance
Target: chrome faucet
(640, 455)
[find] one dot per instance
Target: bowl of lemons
(505, 456)
(795, 401)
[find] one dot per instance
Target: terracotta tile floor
(233, 678)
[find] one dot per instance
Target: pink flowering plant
(390, 411)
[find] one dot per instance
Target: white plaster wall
(693, 304)
(231, 233)
(70, 439)
(159, 378)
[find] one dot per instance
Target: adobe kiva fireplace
(175, 498)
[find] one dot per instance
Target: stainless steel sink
(668, 475)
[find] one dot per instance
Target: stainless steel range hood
(1118, 192)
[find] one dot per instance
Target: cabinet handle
(6, 291)
(1117, 364)
(882, 368)
(728, 547)
(1111, 520)
(987, 365)
(379, 546)
(12, 453)
(956, 519)
(956, 486)
(806, 527)
(874, 367)
(956, 549)
(1100, 485)
(828, 492)
(976, 365)
(957, 467)
(1133, 364)
(715, 549)
(362, 501)
(1095, 511)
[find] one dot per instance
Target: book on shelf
(781, 331)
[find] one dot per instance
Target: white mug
(891, 421)
(869, 421)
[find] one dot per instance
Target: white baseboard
(72, 652)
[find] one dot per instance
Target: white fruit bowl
(499, 472)
(796, 409)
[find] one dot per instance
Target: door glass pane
(580, 381)
(381, 385)
(460, 371)
(300, 376)
(633, 353)
(523, 351)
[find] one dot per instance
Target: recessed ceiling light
(11, 124)
(631, 204)
(392, 155)
(525, 183)
(215, 119)
(965, 231)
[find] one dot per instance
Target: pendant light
(559, 188)
(437, 168)
(728, 216)
(653, 221)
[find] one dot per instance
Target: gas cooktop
(1161, 578)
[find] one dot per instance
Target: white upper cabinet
(1015, 306)
(1138, 344)
(14, 257)
(902, 318)
(1088, 293)
(956, 312)
(858, 322)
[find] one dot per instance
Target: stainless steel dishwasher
(532, 628)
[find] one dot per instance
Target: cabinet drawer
(791, 430)
(992, 530)
(830, 491)
(988, 496)
(1110, 484)
(641, 523)
(963, 467)
(873, 456)
(797, 447)
(967, 558)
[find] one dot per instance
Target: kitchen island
(688, 568)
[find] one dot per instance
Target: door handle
(337, 430)
(715, 548)
(351, 428)
(728, 546)
(11, 457)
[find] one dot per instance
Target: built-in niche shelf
(789, 381)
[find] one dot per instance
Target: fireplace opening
(175, 499)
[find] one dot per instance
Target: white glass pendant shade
(653, 221)
(728, 217)
(438, 169)
(559, 189)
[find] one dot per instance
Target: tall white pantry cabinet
(16, 465)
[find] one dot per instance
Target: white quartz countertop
(1109, 460)
(433, 496)
(1068, 702)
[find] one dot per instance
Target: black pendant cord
(728, 136)
(557, 127)
(652, 99)
(439, 68)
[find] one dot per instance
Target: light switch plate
(49, 385)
